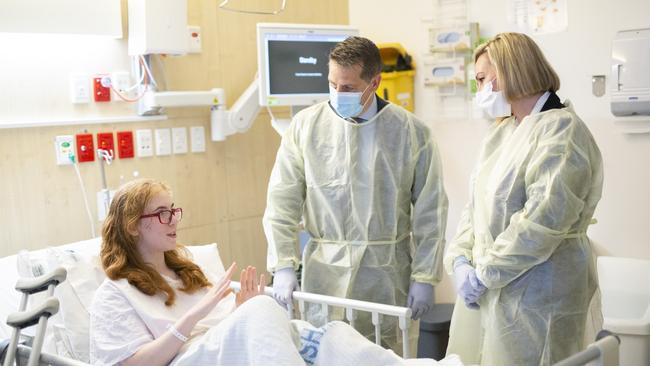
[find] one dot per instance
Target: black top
(380, 103)
(553, 102)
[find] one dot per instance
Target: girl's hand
(250, 286)
(215, 294)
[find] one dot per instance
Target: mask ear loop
(492, 83)
(364, 91)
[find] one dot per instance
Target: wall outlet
(79, 89)
(144, 142)
(194, 39)
(64, 147)
(179, 140)
(163, 141)
(121, 81)
(197, 135)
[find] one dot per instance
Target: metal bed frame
(351, 307)
(30, 354)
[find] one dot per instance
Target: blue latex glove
(285, 283)
(468, 286)
(471, 301)
(420, 299)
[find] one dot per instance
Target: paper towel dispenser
(630, 74)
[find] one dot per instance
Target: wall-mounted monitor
(292, 61)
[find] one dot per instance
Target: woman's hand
(250, 286)
(215, 294)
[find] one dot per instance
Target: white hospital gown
(123, 319)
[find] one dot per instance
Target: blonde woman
(522, 263)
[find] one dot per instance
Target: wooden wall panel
(223, 190)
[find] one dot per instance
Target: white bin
(625, 287)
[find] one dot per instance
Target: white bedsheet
(260, 333)
(342, 345)
(257, 333)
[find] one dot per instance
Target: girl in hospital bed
(157, 307)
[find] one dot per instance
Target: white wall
(37, 16)
(36, 70)
(578, 53)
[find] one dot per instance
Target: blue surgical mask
(494, 103)
(347, 104)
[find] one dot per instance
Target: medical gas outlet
(85, 147)
(101, 92)
(64, 146)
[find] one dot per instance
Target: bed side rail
(603, 352)
(351, 307)
(45, 359)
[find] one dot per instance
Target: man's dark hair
(358, 51)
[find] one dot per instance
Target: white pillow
(68, 331)
(69, 335)
(207, 257)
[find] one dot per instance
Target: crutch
(38, 315)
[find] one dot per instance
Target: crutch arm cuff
(24, 319)
(40, 283)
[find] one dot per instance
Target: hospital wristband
(172, 329)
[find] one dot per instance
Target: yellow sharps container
(397, 75)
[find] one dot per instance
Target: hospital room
(342, 182)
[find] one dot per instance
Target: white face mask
(493, 103)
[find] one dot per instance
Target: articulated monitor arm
(239, 118)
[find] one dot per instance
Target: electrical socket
(79, 89)
(121, 81)
(144, 142)
(64, 146)
(197, 135)
(179, 140)
(163, 141)
(194, 39)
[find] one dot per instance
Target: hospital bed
(58, 289)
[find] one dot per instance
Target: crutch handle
(24, 319)
(41, 283)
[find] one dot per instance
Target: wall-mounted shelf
(80, 121)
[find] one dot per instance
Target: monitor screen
(292, 61)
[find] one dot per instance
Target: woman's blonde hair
(522, 69)
(119, 253)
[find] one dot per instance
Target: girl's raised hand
(250, 286)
